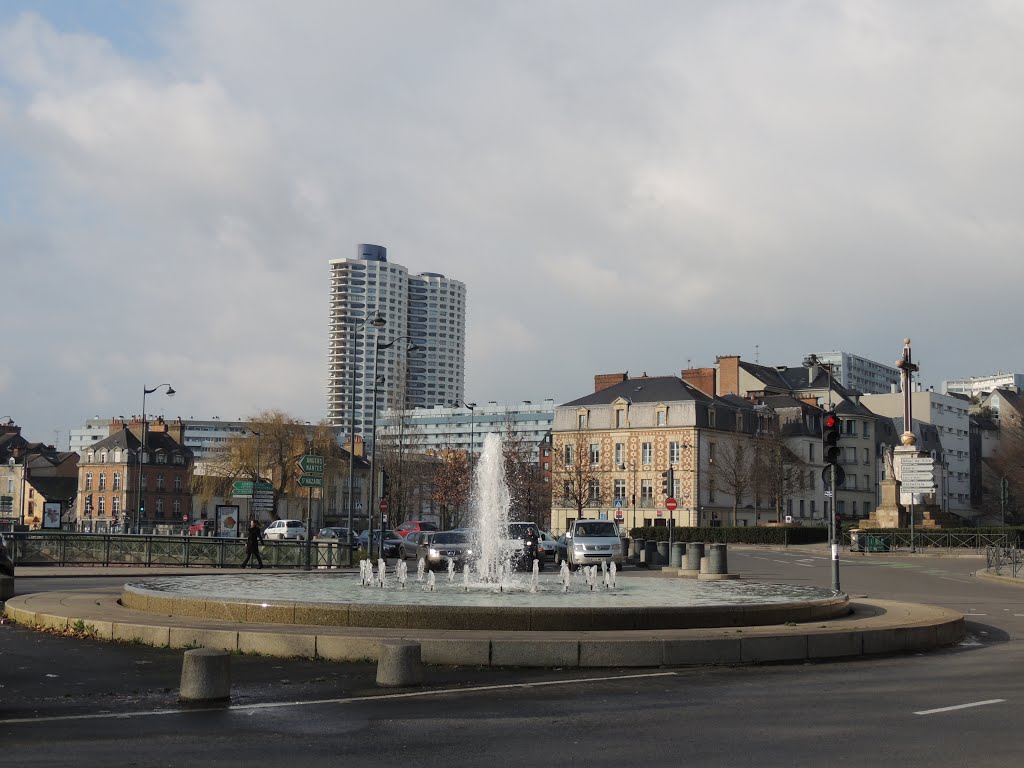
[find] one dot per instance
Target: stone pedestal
(890, 513)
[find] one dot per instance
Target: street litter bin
(877, 544)
(856, 540)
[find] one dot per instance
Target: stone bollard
(704, 562)
(662, 553)
(205, 675)
(6, 588)
(718, 561)
(635, 548)
(650, 555)
(675, 560)
(694, 552)
(399, 664)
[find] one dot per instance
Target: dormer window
(179, 459)
(581, 420)
(103, 458)
(161, 458)
(117, 456)
(91, 457)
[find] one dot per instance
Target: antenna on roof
(757, 353)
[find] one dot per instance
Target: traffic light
(668, 484)
(142, 507)
(830, 438)
(385, 484)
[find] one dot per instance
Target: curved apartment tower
(428, 309)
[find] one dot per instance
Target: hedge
(739, 535)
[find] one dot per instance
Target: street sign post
(311, 481)
(671, 504)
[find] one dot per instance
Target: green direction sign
(246, 487)
(311, 465)
(311, 481)
(6, 503)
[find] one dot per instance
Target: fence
(875, 540)
(1005, 560)
(38, 548)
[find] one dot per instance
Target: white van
(590, 541)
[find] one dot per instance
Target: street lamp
(377, 380)
(377, 321)
(258, 474)
(142, 451)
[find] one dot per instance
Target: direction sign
(918, 486)
(917, 461)
(670, 504)
(917, 474)
(311, 481)
(311, 465)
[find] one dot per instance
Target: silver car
(591, 541)
(443, 546)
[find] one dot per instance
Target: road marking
(314, 702)
(974, 614)
(960, 706)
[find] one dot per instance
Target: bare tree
(732, 472)
(575, 477)
(399, 453)
(451, 486)
(777, 470)
(529, 495)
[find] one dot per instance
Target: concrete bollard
(6, 588)
(662, 553)
(399, 664)
(650, 555)
(205, 675)
(676, 558)
(636, 548)
(694, 552)
(718, 561)
(704, 562)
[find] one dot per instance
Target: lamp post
(377, 380)
(377, 321)
(142, 451)
(257, 473)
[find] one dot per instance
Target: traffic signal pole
(835, 535)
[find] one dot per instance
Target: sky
(621, 186)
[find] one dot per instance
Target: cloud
(619, 188)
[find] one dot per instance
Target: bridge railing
(876, 540)
(51, 548)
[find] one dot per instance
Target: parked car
(392, 543)
(285, 529)
(442, 546)
(561, 549)
(333, 532)
(591, 541)
(549, 545)
(411, 526)
(526, 548)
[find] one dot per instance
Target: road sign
(247, 487)
(918, 486)
(311, 481)
(911, 476)
(383, 506)
(919, 461)
(670, 504)
(618, 503)
(660, 513)
(311, 465)
(618, 514)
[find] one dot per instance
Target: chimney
(605, 380)
(177, 431)
(812, 373)
(135, 427)
(704, 379)
(728, 374)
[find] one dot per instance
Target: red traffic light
(831, 421)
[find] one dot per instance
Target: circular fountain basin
(339, 599)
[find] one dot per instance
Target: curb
(874, 627)
(988, 575)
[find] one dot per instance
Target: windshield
(450, 537)
(596, 529)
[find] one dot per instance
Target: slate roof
(652, 389)
(794, 379)
(155, 441)
(55, 488)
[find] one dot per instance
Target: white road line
(314, 702)
(1018, 614)
(804, 565)
(974, 614)
(766, 559)
(784, 562)
(960, 706)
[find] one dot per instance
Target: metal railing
(1005, 560)
(38, 548)
(876, 540)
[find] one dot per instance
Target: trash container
(856, 540)
(877, 544)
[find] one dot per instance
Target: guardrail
(38, 548)
(876, 540)
(1002, 559)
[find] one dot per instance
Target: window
(865, 430)
(581, 421)
(116, 481)
(867, 509)
(646, 492)
(568, 455)
(811, 475)
(161, 458)
(179, 459)
(673, 453)
(677, 484)
(802, 512)
(619, 490)
(177, 508)
(88, 482)
(145, 480)
(160, 506)
(866, 456)
(177, 484)
(620, 417)
(103, 481)
(712, 420)
(813, 505)
(851, 456)
(160, 483)
(117, 456)
(661, 418)
(647, 454)
(115, 506)
(594, 493)
(619, 451)
(101, 506)
(811, 452)
(850, 482)
(595, 454)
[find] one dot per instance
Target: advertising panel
(227, 520)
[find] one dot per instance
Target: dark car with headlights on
(443, 546)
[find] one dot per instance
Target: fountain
(490, 596)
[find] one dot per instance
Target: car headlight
(433, 552)
(578, 547)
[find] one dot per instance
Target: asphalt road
(66, 701)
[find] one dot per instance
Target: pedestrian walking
(252, 544)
